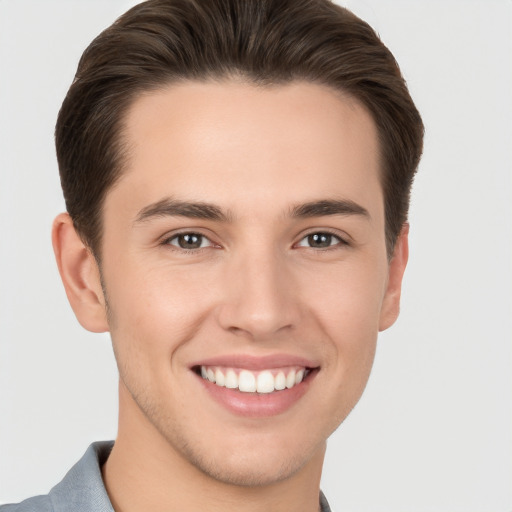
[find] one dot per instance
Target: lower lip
(257, 404)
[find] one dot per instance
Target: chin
(256, 467)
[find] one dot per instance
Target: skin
(256, 287)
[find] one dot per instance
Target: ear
(80, 275)
(391, 304)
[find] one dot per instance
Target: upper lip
(256, 363)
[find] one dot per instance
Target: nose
(260, 299)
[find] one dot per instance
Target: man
(237, 178)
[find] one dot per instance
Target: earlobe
(80, 275)
(391, 304)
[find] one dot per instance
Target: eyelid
(344, 239)
(205, 241)
(166, 239)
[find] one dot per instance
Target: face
(245, 269)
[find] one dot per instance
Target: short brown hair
(159, 42)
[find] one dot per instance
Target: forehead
(238, 143)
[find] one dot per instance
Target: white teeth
(265, 382)
(290, 379)
(231, 380)
(250, 382)
(219, 378)
(280, 381)
(246, 382)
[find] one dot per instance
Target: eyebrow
(329, 207)
(169, 207)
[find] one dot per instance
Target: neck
(145, 472)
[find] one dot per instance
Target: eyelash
(168, 242)
(340, 241)
(323, 233)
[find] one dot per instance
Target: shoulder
(35, 504)
(324, 505)
(81, 489)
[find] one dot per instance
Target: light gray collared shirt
(82, 489)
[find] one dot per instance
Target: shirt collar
(82, 488)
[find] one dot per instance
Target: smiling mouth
(247, 381)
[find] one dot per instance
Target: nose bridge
(259, 299)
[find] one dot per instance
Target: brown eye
(320, 240)
(189, 241)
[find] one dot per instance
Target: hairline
(124, 147)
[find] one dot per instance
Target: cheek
(347, 308)
(153, 314)
(347, 299)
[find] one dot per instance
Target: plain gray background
(433, 431)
